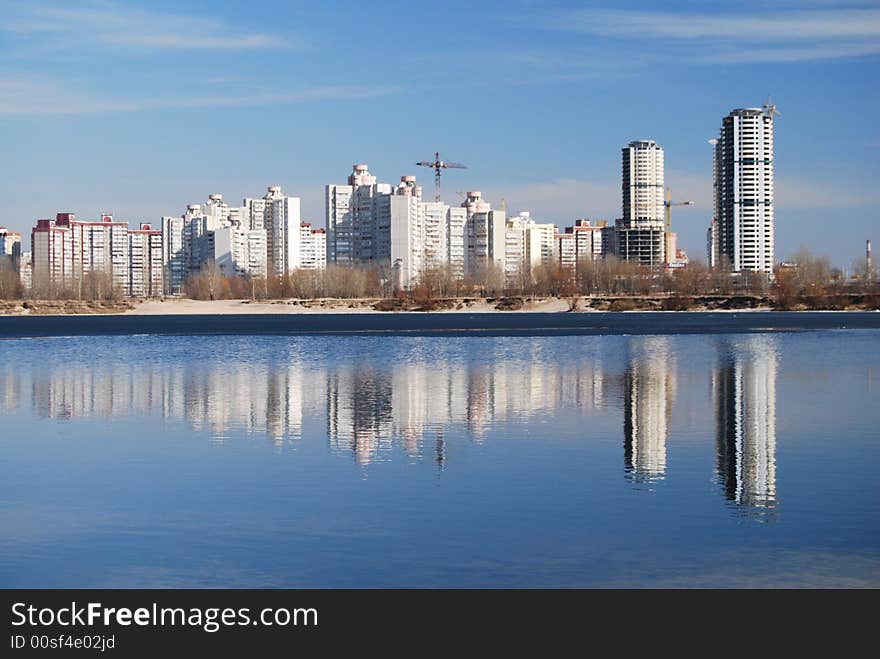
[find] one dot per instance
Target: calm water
(740, 460)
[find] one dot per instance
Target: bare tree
(10, 282)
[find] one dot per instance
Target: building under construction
(641, 232)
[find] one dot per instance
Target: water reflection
(372, 407)
(649, 392)
(744, 388)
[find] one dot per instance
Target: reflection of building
(649, 389)
(744, 388)
(216, 398)
(359, 411)
(368, 408)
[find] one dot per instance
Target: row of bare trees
(334, 282)
(807, 277)
(91, 286)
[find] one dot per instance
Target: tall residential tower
(641, 230)
(743, 233)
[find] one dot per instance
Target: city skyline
(536, 101)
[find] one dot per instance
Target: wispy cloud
(788, 26)
(763, 36)
(28, 98)
(110, 23)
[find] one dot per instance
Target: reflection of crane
(437, 165)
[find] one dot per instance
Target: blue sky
(138, 108)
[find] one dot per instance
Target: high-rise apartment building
(527, 245)
(282, 220)
(313, 248)
(351, 217)
(240, 251)
(188, 244)
(485, 234)
(146, 265)
(262, 237)
(584, 241)
(744, 219)
(712, 244)
(26, 271)
(66, 251)
(399, 231)
(393, 227)
(640, 233)
(10, 247)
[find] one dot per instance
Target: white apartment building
(744, 190)
(262, 237)
(282, 220)
(585, 241)
(640, 232)
(313, 247)
(255, 210)
(66, 251)
(146, 264)
(436, 233)
(456, 242)
(485, 234)
(444, 229)
(566, 249)
(527, 245)
(187, 245)
(370, 222)
(351, 217)
(240, 251)
(101, 247)
(26, 271)
(400, 231)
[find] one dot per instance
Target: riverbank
(436, 324)
(586, 304)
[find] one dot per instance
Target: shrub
(622, 304)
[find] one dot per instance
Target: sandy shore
(226, 307)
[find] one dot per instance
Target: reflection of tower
(440, 451)
(480, 398)
(359, 411)
(745, 406)
(649, 388)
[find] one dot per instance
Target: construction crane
(668, 204)
(438, 165)
(770, 108)
(667, 216)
